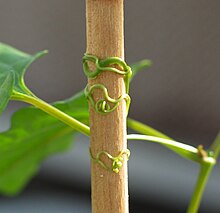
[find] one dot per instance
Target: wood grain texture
(105, 38)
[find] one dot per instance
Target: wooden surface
(105, 38)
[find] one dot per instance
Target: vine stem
(205, 171)
(188, 151)
(75, 124)
(147, 130)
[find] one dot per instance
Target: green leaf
(214, 149)
(185, 150)
(13, 65)
(149, 131)
(34, 136)
(145, 129)
(139, 66)
(6, 85)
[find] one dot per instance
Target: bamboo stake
(105, 38)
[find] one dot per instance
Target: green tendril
(107, 104)
(117, 162)
(104, 65)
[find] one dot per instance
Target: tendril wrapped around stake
(117, 162)
(105, 65)
(107, 104)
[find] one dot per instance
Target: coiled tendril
(107, 104)
(117, 162)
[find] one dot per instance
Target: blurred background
(179, 95)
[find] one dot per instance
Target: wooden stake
(105, 38)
